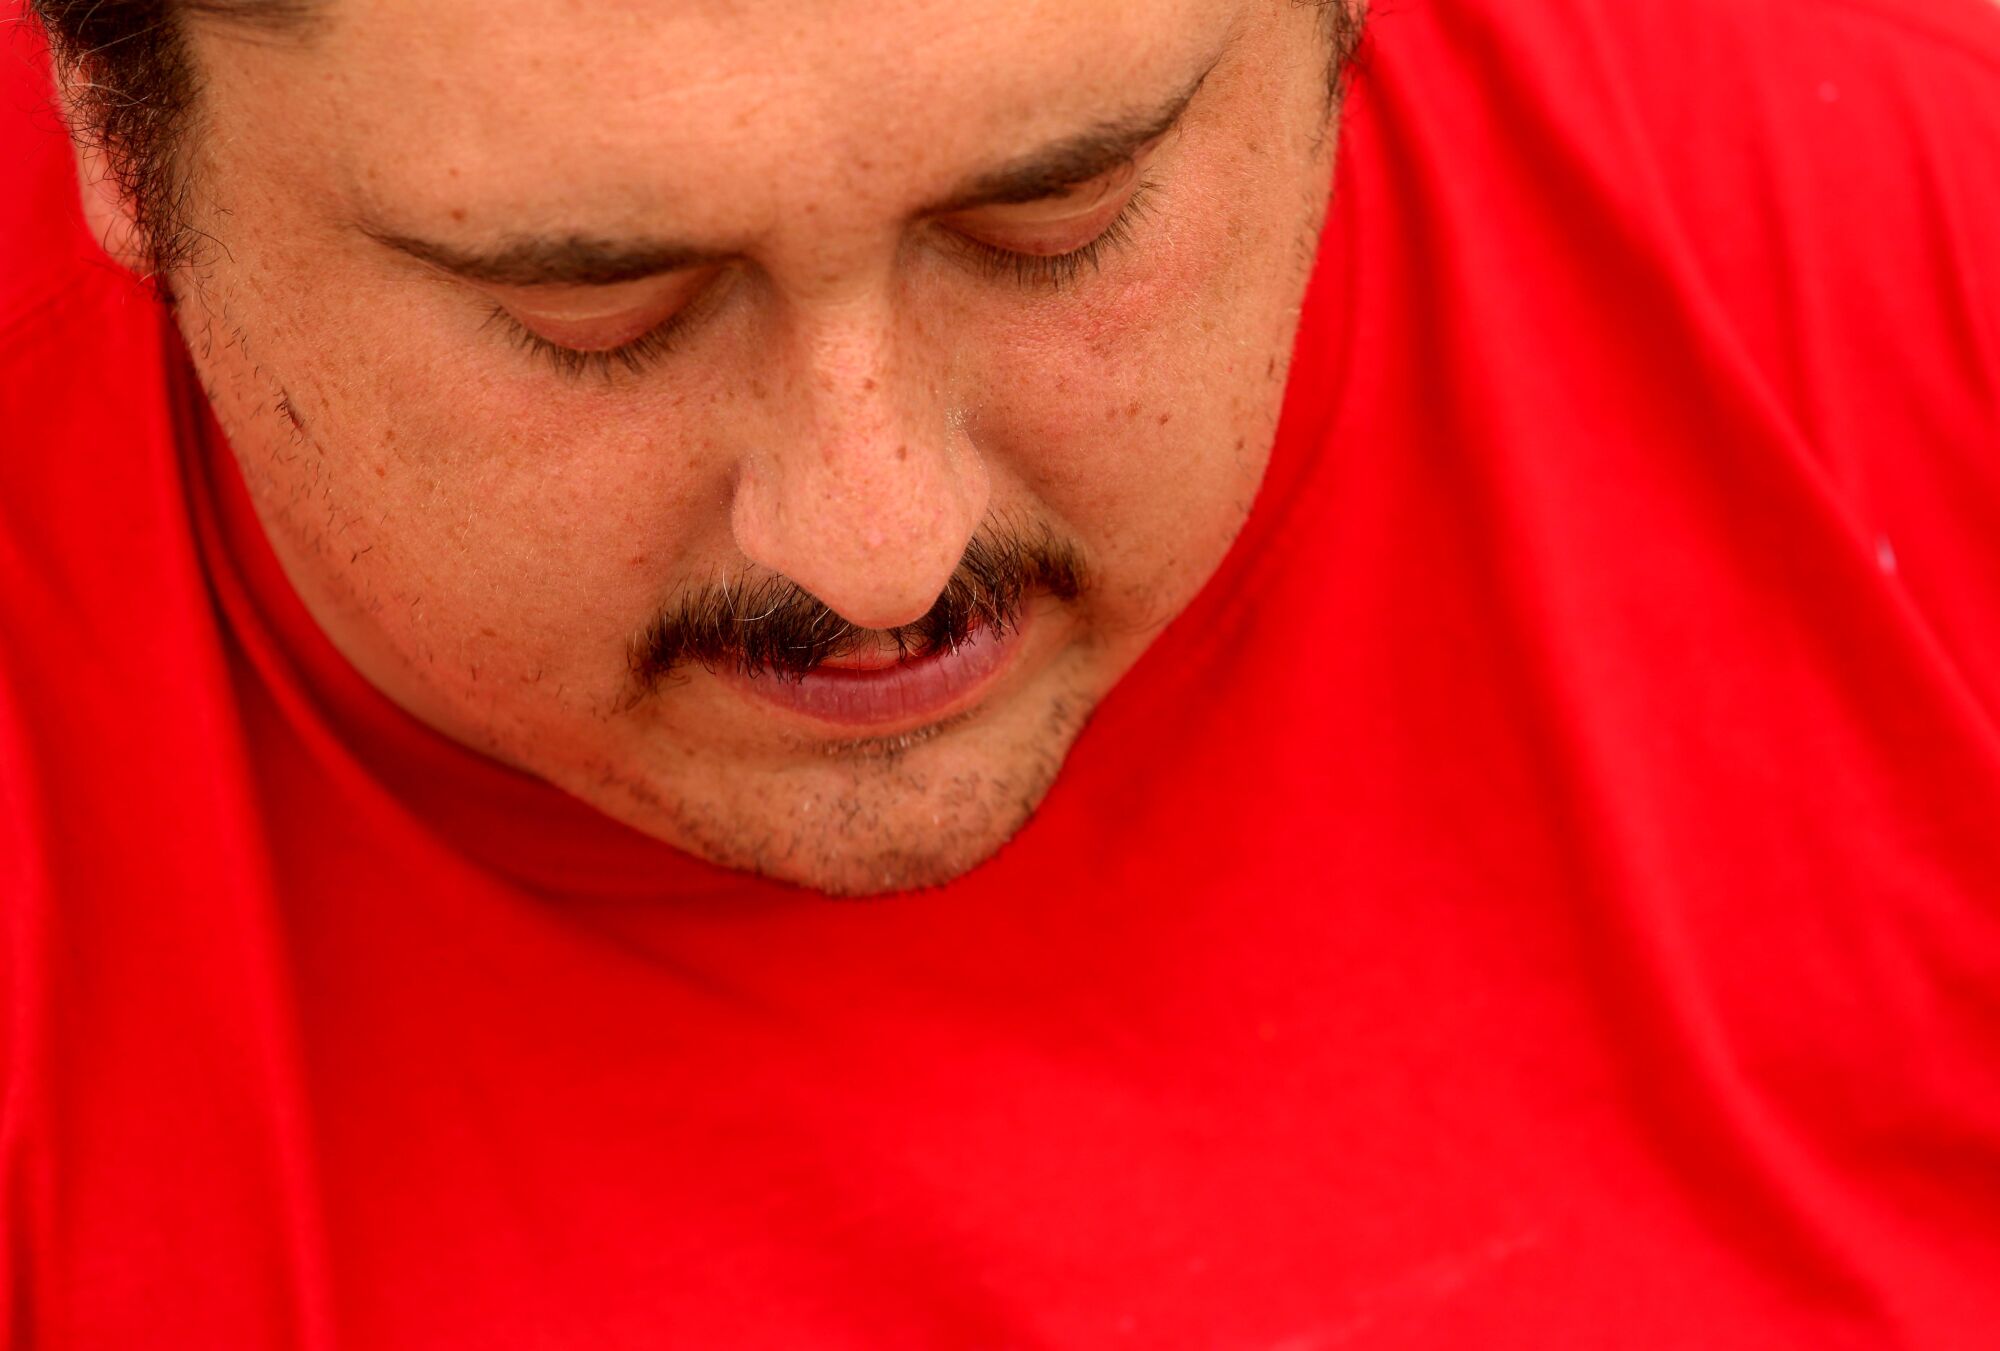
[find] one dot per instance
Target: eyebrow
(574, 260)
(1074, 159)
(581, 260)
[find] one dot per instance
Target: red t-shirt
(1545, 893)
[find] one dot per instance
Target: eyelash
(1057, 270)
(575, 363)
(1051, 271)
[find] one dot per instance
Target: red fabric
(1546, 893)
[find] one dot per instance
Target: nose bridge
(857, 386)
(869, 492)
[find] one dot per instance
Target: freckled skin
(481, 536)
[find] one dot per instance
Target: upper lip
(899, 690)
(884, 656)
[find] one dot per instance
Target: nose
(869, 488)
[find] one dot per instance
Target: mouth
(885, 691)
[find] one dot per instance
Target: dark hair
(1343, 23)
(132, 86)
(771, 626)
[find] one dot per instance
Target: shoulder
(1816, 175)
(45, 250)
(1967, 28)
(89, 497)
(79, 337)
(70, 318)
(1674, 34)
(1636, 64)
(1702, 103)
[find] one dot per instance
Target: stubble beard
(865, 817)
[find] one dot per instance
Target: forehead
(697, 101)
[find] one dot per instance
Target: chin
(860, 817)
(882, 868)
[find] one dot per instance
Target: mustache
(772, 626)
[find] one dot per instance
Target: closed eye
(577, 362)
(1044, 244)
(1033, 266)
(604, 337)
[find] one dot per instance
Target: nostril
(878, 613)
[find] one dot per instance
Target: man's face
(599, 371)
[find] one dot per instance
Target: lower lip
(910, 692)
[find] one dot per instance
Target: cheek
(1144, 411)
(567, 514)
(551, 526)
